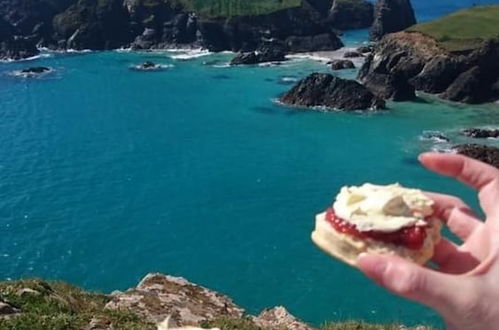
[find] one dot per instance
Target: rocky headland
(37, 304)
(159, 24)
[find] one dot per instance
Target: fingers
(451, 260)
(482, 177)
(436, 290)
(456, 214)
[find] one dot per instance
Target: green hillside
(229, 8)
(465, 29)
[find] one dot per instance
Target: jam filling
(410, 237)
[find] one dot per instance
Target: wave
(191, 54)
(158, 67)
(27, 59)
(434, 136)
(21, 74)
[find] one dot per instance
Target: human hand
(464, 288)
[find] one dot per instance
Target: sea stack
(391, 16)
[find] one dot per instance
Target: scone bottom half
(347, 248)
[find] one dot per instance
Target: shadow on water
(221, 77)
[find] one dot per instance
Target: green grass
(463, 30)
(230, 8)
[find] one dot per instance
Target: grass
(61, 306)
(230, 8)
(463, 30)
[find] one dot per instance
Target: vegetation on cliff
(230, 8)
(463, 30)
(40, 305)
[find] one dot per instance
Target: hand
(464, 288)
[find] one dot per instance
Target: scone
(378, 219)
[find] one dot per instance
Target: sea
(109, 173)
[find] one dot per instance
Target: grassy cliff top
(463, 30)
(43, 305)
(229, 8)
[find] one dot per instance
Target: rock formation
(330, 92)
(481, 133)
(486, 154)
(267, 52)
(341, 64)
(351, 14)
(391, 16)
(407, 61)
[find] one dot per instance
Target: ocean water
(107, 174)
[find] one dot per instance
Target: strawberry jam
(411, 237)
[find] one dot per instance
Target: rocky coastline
(157, 302)
(161, 24)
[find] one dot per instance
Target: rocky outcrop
(36, 70)
(341, 64)
(17, 48)
(268, 52)
(330, 92)
(407, 61)
(351, 14)
(158, 296)
(481, 133)
(391, 16)
(486, 154)
(352, 54)
(279, 318)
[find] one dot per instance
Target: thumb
(409, 280)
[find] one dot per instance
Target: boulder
(365, 49)
(437, 74)
(341, 64)
(481, 133)
(311, 43)
(351, 14)
(391, 16)
(330, 92)
(486, 154)
(352, 54)
(268, 52)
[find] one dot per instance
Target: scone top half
(378, 219)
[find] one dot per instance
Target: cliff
(454, 57)
(37, 304)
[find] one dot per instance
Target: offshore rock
(159, 296)
(328, 91)
(341, 64)
(391, 16)
(268, 52)
(351, 14)
(486, 154)
(481, 133)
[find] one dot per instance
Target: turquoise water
(107, 174)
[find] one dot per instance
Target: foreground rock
(341, 64)
(158, 296)
(328, 91)
(481, 133)
(391, 16)
(405, 62)
(279, 318)
(486, 154)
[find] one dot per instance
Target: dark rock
(268, 52)
(341, 64)
(7, 309)
(481, 133)
(352, 54)
(321, 42)
(391, 16)
(435, 137)
(437, 75)
(467, 87)
(36, 70)
(325, 90)
(17, 48)
(351, 14)
(365, 49)
(486, 154)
